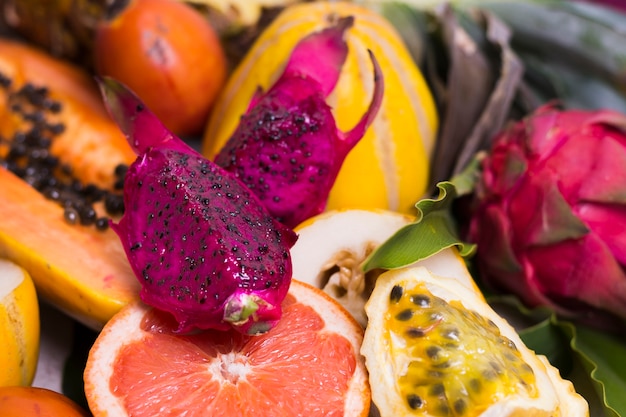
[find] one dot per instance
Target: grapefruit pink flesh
(305, 366)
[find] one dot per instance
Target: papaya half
(388, 168)
(79, 268)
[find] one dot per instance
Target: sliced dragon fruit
(203, 247)
(287, 148)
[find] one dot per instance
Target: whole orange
(169, 55)
(19, 401)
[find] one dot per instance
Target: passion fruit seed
(460, 363)
(27, 155)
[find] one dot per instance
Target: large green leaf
(537, 330)
(572, 51)
(603, 357)
(602, 377)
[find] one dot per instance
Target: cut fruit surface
(80, 270)
(308, 365)
(436, 348)
(332, 246)
(52, 109)
(19, 326)
(90, 142)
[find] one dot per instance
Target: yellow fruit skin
(389, 167)
(19, 329)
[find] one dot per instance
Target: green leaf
(573, 87)
(603, 356)
(590, 36)
(472, 72)
(601, 378)
(547, 339)
(573, 52)
(537, 328)
(433, 230)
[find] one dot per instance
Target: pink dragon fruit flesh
(203, 247)
(287, 148)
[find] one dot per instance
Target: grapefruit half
(308, 365)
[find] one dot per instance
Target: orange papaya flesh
(81, 270)
(90, 143)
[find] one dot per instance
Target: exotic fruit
(434, 347)
(202, 245)
(287, 148)
(388, 167)
(550, 213)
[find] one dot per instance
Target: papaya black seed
(120, 170)
(71, 215)
(29, 155)
(102, 223)
(87, 215)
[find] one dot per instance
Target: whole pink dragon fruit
(287, 148)
(550, 219)
(203, 246)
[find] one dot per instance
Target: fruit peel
(19, 325)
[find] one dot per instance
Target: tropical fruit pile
(314, 208)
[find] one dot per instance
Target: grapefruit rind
(557, 396)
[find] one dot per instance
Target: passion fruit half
(435, 348)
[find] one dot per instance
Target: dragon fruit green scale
(202, 246)
(287, 148)
(549, 217)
